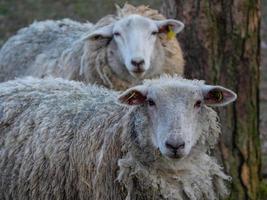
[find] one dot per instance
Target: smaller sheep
(117, 52)
(63, 140)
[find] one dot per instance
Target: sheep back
(53, 136)
(42, 49)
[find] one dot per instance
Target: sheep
(117, 52)
(62, 139)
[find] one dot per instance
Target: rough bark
(221, 42)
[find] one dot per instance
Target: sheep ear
(134, 96)
(170, 25)
(119, 10)
(100, 33)
(218, 96)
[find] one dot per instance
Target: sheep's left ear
(134, 96)
(168, 25)
(217, 95)
(101, 32)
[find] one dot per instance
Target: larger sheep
(117, 52)
(62, 140)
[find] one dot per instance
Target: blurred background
(263, 86)
(15, 14)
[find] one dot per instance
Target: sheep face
(134, 45)
(175, 112)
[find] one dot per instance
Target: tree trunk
(221, 44)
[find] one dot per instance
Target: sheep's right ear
(101, 32)
(218, 95)
(134, 96)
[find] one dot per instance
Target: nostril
(175, 145)
(168, 145)
(137, 62)
(181, 146)
(141, 62)
(134, 63)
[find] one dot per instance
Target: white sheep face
(135, 37)
(175, 110)
(132, 49)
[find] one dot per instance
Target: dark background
(263, 86)
(15, 14)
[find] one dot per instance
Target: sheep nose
(175, 145)
(137, 61)
(138, 64)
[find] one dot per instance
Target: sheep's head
(132, 45)
(176, 110)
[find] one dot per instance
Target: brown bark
(221, 44)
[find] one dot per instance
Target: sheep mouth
(174, 155)
(137, 74)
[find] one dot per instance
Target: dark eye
(151, 102)
(96, 37)
(197, 104)
(154, 33)
(117, 34)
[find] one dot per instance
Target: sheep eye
(154, 33)
(151, 102)
(117, 34)
(197, 104)
(96, 37)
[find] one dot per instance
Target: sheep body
(37, 50)
(63, 140)
(56, 48)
